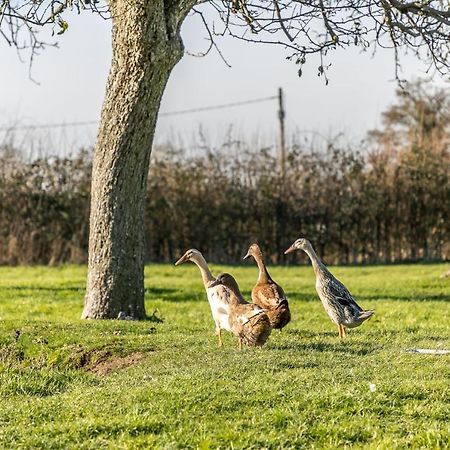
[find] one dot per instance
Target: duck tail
(282, 303)
(365, 315)
(259, 330)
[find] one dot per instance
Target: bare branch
(280, 20)
(307, 27)
(212, 42)
(303, 27)
(333, 35)
(20, 21)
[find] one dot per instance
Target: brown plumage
(248, 322)
(267, 294)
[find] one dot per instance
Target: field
(163, 383)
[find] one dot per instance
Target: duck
(218, 295)
(339, 304)
(267, 293)
(248, 322)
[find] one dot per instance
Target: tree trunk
(146, 47)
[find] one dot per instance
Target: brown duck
(248, 322)
(267, 294)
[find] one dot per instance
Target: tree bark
(146, 47)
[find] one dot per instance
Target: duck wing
(269, 295)
(244, 313)
(334, 289)
(252, 325)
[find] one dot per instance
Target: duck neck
(236, 296)
(318, 265)
(207, 276)
(263, 276)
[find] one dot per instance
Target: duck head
(254, 251)
(190, 255)
(299, 244)
(227, 280)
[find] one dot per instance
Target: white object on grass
(428, 351)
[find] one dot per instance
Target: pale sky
(72, 82)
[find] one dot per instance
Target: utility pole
(281, 138)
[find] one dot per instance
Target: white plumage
(218, 296)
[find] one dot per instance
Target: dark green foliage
(389, 203)
(352, 208)
(44, 209)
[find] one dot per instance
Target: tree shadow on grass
(168, 294)
(412, 298)
(322, 347)
(344, 346)
(159, 290)
(420, 297)
(43, 288)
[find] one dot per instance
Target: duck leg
(240, 344)
(340, 331)
(343, 331)
(219, 333)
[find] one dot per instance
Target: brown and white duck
(248, 321)
(267, 293)
(218, 295)
(339, 304)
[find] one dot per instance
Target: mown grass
(304, 389)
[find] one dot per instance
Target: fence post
(281, 137)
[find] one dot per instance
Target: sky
(70, 83)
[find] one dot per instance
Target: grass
(67, 383)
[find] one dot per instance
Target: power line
(227, 105)
(49, 125)
(170, 113)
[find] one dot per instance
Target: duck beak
(182, 260)
(247, 255)
(290, 250)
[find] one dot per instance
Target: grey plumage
(339, 304)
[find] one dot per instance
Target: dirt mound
(105, 366)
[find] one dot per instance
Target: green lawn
(67, 383)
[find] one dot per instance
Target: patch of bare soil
(104, 366)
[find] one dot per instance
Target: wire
(49, 125)
(227, 105)
(170, 113)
